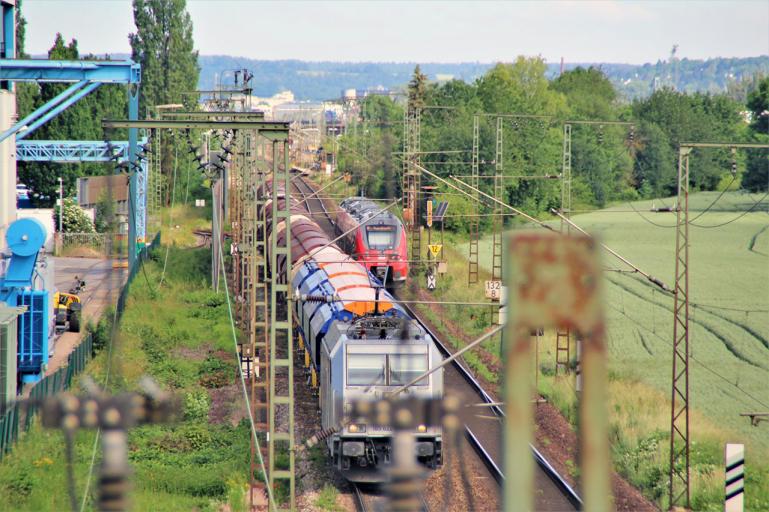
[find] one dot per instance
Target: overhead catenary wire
(738, 217)
(171, 214)
(691, 356)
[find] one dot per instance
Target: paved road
(102, 287)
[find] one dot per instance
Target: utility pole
(679, 413)
(679, 486)
(61, 206)
(563, 336)
(411, 181)
(281, 437)
(475, 221)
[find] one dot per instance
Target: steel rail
(541, 460)
(360, 501)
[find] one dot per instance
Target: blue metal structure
(87, 76)
(71, 151)
(25, 238)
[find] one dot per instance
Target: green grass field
(729, 338)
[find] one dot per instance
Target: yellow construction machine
(69, 309)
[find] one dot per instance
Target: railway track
(482, 432)
(373, 499)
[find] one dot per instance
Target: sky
(427, 31)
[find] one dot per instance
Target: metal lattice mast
(260, 383)
(499, 189)
(411, 182)
(234, 184)
(679, 412)
(475, 222)
(562, 335)
(415, 185)
(156, 172)
(281, 331)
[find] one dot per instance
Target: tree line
(610, 163)
(324, 80)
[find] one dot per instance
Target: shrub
(196, 405)
(75, 219)
(215, 373)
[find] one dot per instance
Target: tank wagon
(359, 344)
(379, 244)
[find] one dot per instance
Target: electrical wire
(649, 220)
(703, 365)
(113, 338)
(734, 219)
(724, 191)
(240, 367)
(68, 442)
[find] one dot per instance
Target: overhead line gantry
(277, 350)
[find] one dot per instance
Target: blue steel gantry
(71, 151)
(86, 76)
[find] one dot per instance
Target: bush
(215, 373)
(196, 405)
(102, 332)
(75, 219)
(21, 484)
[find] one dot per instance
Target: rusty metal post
(555, 281)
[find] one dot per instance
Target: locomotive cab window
(380, 237)
(406, 367)
(385, 369)
(366, 369)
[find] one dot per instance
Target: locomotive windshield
(380, 237)
(385, 370)
(406, 367)
(366, 369)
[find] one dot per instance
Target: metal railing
(106, 245)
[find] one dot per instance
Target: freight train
(359, 343)
(379, 244)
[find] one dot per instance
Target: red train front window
(380, 237)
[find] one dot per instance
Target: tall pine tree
(417, 89)
(163, 45)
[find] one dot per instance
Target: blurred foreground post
(554, 281)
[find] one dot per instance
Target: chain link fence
(92, 245)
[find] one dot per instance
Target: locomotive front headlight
(356, 428)
(421, 429)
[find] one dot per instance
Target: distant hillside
(326, 80)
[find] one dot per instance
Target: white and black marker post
(735, 478)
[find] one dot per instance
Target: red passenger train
(379, 243)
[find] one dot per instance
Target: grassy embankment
(180, 335)
(729, 335)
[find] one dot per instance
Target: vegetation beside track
(180, 334)
(729, 275)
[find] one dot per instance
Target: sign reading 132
(494, 290)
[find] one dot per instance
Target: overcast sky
(601, 31)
